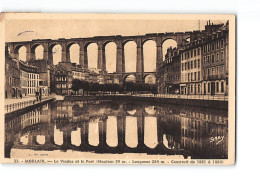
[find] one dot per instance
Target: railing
(217, 97)
(177, 96)
(19, 105)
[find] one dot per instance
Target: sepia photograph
(118, 89)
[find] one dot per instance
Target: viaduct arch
(101, 42)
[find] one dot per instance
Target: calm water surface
(104, 126)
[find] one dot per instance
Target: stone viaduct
(101, 42)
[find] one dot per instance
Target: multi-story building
(169, 74)
(215, 59)
(94, 76)
(63, 78)
(29, 79)
(33, 82)
(191, 68)
(44, 75)
(78, 72)
(12, 77)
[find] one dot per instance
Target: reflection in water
(150, 132)
(112, 131)
(131, 136)
(75, 137)
(24, 139)
(58, 136)
(150, 110)
(93, 133)
(105, 126)
(40, 139)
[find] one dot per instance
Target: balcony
(214, 77)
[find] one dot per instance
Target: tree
(86, 87)
(95, 87)
(76, 85)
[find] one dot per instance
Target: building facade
(215, 60)
(169, 74)
(63, 79)
(203, 63)
(191, 68)
(44, 75)
(29, 79)
(12, 78)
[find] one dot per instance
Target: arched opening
(167, 44)
(132, 112)
(130, 52)
(24, 139)
(21, 52)
(58, 136)
(188, 39)
(40, 139)
(72, 53)
(130, 78)
(92, 55)
(110, 55)
(75, 137)
(150, 110)
(149, 55)
(7, 51)
(111, 133)
(150, 79)
(131, 135)
(55, 52)
(93, 135)
(150, 132)
(37, 52)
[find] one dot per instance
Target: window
(185, 55)
(212, 46)
(191, 65)
(188, 56)
(204, 59)
(195, 52)
(218, 45)
(222, 86)
(204, 49)
(198, 88)
(217, 57)
(191, 76)
(188, 76)
(198, 51)
(222, 56)
(198, 75)
(208, 72)
(208, 47)
(191, 53)
(222, 43)
(195, 76)
(191, 90)
(213, 71)
(182, 66)
(182, 56)
(217, 87)
(198, 63)
(185, 66)
(188, 65)
(195, 63)
(208, 87)
(208, 59)
(213, 58)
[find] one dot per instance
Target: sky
(26, 30)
